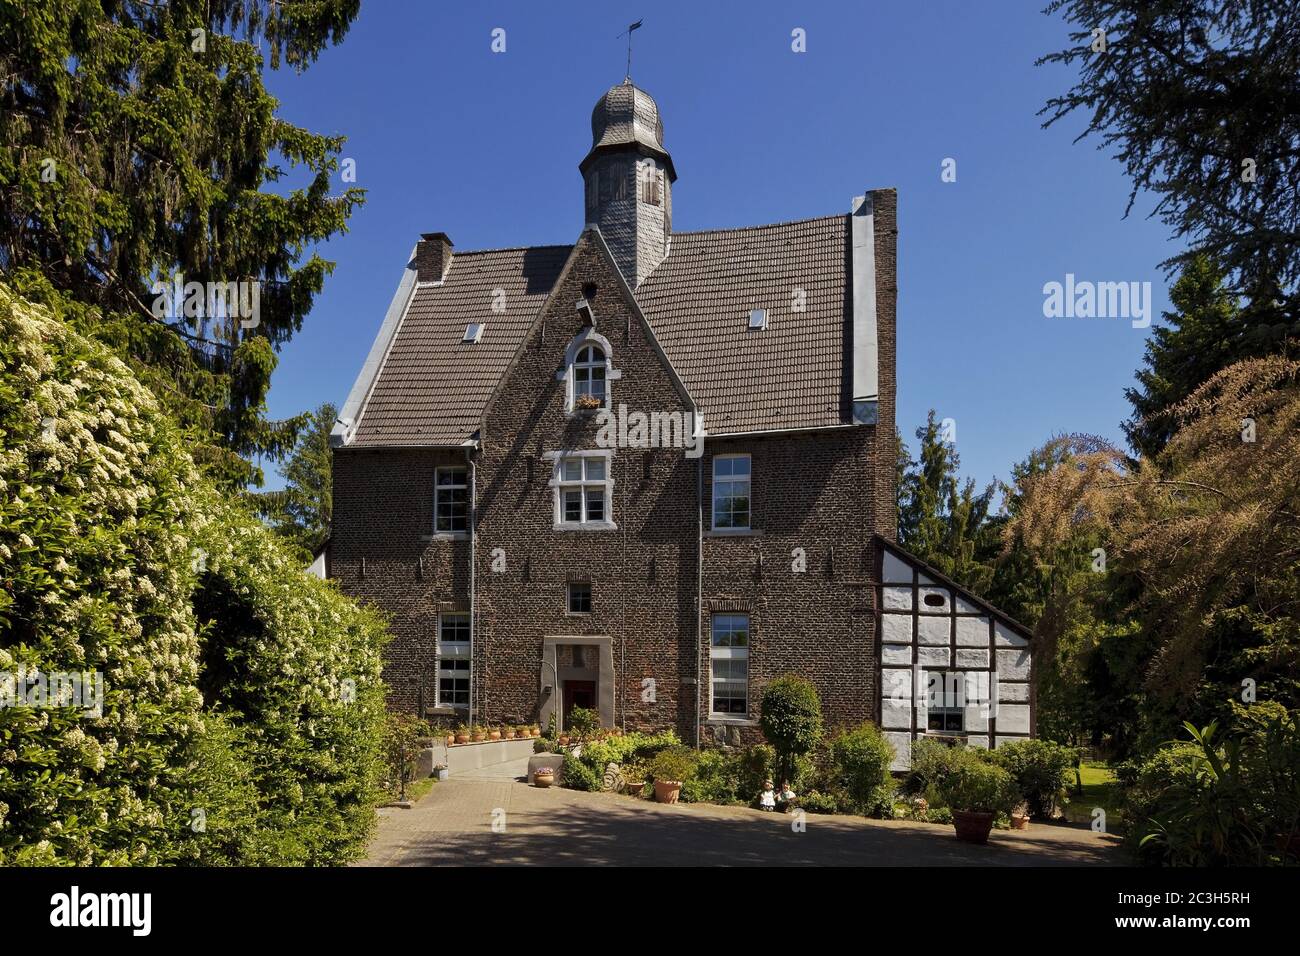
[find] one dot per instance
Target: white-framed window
(588, 372)
(945, 701)
(589, 375)
(731, 511)
(584, 490)
(453, 660)
(451, 501)
(729, 665)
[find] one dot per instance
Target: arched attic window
(588, 370)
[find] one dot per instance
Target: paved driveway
(454, 825)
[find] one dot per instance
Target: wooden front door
(578, 693)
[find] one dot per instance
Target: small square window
(473, 332)
(758, 319)
(580, 597)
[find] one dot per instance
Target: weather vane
(628, 32)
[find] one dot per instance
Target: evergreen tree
(1200, 100)
(941, 519)
(138, 142)
(301, 511)
(1204, 334)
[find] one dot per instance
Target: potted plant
(450, 738)
(976, 792)
(587, 403)
(1020, 817)
(633, 775)
(494, 733)
(544, 777)
(507, 732)
(477, 734)
(670, 769)
(564, 740)
(462, 734)
(440, 771)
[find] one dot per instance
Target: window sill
(734, 533)
(445, 710)
(446, 536)
(585, 526)
(577, 614)
(720, 719)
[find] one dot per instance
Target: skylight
(473, 332)
(758, 319)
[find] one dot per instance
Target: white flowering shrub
(242, 710)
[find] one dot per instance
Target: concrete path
(454, 825)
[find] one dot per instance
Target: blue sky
(449, 136)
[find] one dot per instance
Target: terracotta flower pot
(494, 734)
(564, 740)
(462, 738)
(1020, 821)
(478, 736)
(508, 733)
(451, 739)
(973, 826)
(543, 779)
(633, 787)
(667, 791)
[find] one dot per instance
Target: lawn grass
(1100, 789)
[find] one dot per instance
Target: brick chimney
(432, 256)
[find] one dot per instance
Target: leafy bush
(932, 762)
(1203, 802)
(861, 758)
(791, 719)
(242, 719)
(675, 764)
(596, 755)
(814, 801)
(577, 775)
(583, 721)
(716, 779)
(979, 785)
(1041, 770)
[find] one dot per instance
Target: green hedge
(242, 717)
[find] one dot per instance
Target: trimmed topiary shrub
(791, 719)
(1041, 770)
(861, 758)
(242, 710)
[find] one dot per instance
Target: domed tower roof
(627, 118)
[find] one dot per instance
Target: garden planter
(973, 826)
(451, 740)
(441, 773)
(462, 738)
(564, 741)
(478, 737)
(633, 787)
(667, 791)
(1020, 821)
(543, 779)
(494, 735)
(508, 734)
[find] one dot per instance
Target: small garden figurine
(785, 799)
(767, 799)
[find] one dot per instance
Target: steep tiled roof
(788, 375)
(432, 386)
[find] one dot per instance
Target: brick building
(649, 471)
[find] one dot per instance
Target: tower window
(650, 187)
